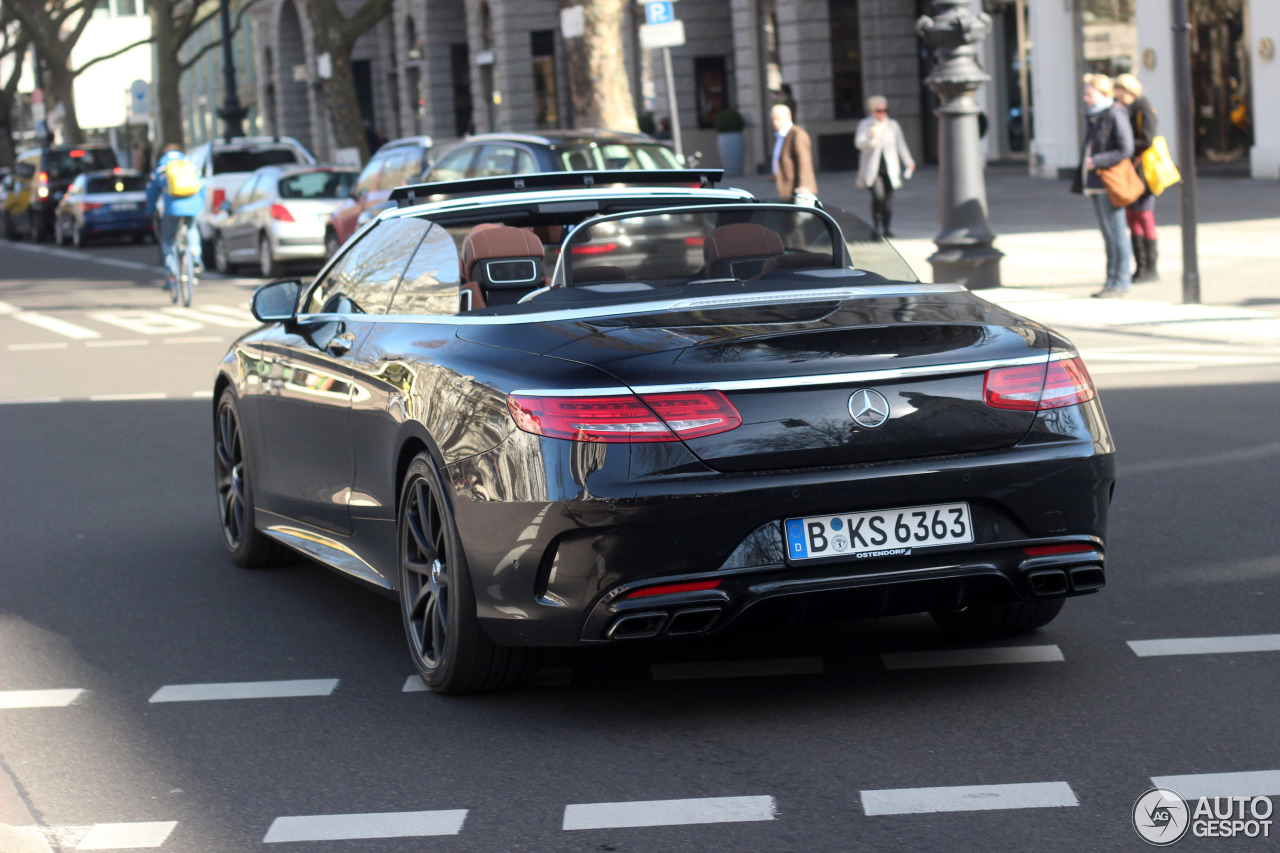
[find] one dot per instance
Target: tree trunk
(340, 95)
(60, 90)
(166, 97)
(598, 69)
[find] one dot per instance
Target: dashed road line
(120, 398)
(967, 798)
(6, 308)
(125, 343)
(736, 668)
(57, 698)
(245, 690)
(1206, 645)
(1256, 783)
(51, 345)
(27, 401)
(345, 827)
(127, 836)
(668, 812)
(58, 327)
(971, 657)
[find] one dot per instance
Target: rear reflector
(625, 418)
(1047, 550)
(667, 589)
(280, 213)
(1036, 387)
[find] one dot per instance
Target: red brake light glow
(90, 205)
(667, 589)
(1047, 550)
(594, 248)
(1036, 387)
(280, 213)
(625, 418)
(75, 153)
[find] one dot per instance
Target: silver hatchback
(279, 215)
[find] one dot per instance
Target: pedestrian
(884, 162)
(783, 96)
(1108, 139)
(1141, 215)
(792, 158)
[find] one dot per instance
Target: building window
(546, 107)
(846, 58)
(713, 89)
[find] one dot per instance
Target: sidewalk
(1054, 257)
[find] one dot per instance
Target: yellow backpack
(181, 178)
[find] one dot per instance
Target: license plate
(878, 533)
(125, 206)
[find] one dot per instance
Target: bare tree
(54, 27)
(336, 34)
(598, 69)
(13, 44)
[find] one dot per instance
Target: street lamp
(231, 113)
(965, 252)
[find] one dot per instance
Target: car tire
(247, 545)
(206, 250)
(1000, 620)
(34, 234)
(59, 239)
(437, 602)
(331, 244)
(267, 264)
(78, 238)
(221, 257)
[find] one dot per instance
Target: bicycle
(185, 283)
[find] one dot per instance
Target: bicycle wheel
(175, 281)
(187, 281)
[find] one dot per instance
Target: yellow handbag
(1158, 168)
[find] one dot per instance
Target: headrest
(741, 240)
(487, 241)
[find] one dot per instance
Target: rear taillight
(219, 196)
(90, 205)
(1035, 387)
(625, 418)
(280, 213)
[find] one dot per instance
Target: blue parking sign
(659, 12)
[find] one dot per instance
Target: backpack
(181, 178)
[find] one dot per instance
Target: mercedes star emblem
(868, 408)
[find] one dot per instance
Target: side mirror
(225, 207)
(276, 301)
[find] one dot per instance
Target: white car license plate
(125, 206)
(878, 533)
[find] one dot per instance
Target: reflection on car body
(634, 443)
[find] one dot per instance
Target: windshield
(618, 155)
(116, 184)
(249, 159)
(326, 184)
(66, 165)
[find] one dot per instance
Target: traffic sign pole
(672, 106)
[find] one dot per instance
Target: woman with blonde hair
(885, 160)
(1141, 215)
(1108, 139)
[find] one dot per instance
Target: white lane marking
(242, 314)
(413, 684)
(967, 798)
(128, 343)
(245, 690)
(148, 322)
(6, 308)
(58, 327)
(1257, 783)
(117, 398)
(1206, 645)
(128, 265)
(202, 395)
(61, 345)
(207, 339)
(668, 812)
(58, 698)
(340, 827)
(971, 657)
(127, 836)
(29, 400)
(209, 316)
(737, 668)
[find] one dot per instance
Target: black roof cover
(419, 193)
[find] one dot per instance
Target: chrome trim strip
(861, 377)
(326, 550)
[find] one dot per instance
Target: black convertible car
(547, 415)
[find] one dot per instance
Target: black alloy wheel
(247, 545)
(449, 648)
(1000, 620)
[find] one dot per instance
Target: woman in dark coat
(1108, 139)
(1141, 215)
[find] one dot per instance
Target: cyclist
(180, 202)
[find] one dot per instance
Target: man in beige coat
(792, 157)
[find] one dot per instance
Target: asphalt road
(113, 583)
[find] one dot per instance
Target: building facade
(447, 68)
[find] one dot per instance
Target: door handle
(341, 344)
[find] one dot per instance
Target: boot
(1139, 257)
(885, 230)
(1149, 252)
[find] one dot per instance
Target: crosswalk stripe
(342, 827)
(58, 698)
(127, 836)
(119, 398)
(52, 345)
(668, 812)
(6, 308)
(1206, 645)
(1257, 783)
(736, 668)
(971, 657)
(58, 327)
(242, 314)
(245, 690)
(965, 798)
(208, 315)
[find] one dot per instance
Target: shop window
(546, 108)
(846, 58)
(713, 88)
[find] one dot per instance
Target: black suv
(40, 177)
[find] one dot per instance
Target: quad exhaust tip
(680, 623)
(1087, 578)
